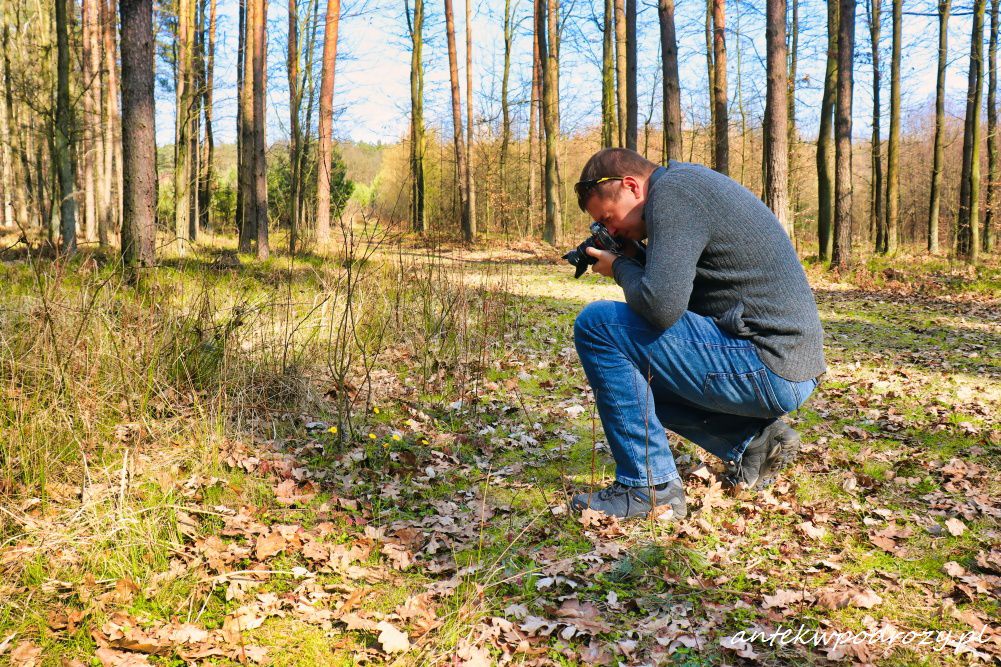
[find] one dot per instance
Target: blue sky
(372, 81)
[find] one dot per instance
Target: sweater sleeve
(677, 234)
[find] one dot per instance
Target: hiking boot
(625, 502)
(771, 450)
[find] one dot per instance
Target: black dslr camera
(602, 240)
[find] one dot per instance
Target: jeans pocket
(745, 394)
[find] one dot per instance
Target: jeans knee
(590, 317)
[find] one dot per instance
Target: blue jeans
(693, 378)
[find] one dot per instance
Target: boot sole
(785, 447)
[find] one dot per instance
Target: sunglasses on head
(583, 187)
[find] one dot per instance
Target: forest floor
(192, 473)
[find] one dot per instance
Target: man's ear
(630, 183)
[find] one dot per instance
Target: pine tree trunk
(876, 208)
(547, 23)
(110, 193)
(260, 124)
(182, 136)
(325, 147)
(417, 141)
(793, 140)
(893, 145)
(138, 134)
(671, 82)
(968, 223)
(721, 162)
(711, 83)
(93, 148)
(460, 150)
(6, 153)
(17, 213)
(470, 171)
(993, 167)
(621, 77)
(841, 255)
(938, 158)
(825, 140)
(241, 129)
(776, 130)
(207, 175)
(64, 145)
(295, 134)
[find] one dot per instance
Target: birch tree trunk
(711, 83)
(207, 175)
(138, 135)
(111, 187)
(295, 134)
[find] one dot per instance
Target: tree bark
(138, 135)
(876, 208)
(325, 147)
(711, 83)
(632, 91)
(470, 180)
(609, 126)
(295, 134)
(417, 141)
(993, 166)
(534, 119)
(776, 107)
(793, 139)
(841, 256)
(182, 135)
(893, 145)
(968, 223)
(506, 116)
(721, 162)
(460, 150)
(92, 151)
(671, 82)
(547, 23)
(207, 175)
(260, 124)
(241, 129)
(825, 140)
(938, 158)
(64, 144)
(621, 76)
(113, 185)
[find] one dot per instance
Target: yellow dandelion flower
(385, 445)
(376, 409)
(371, 436)
(424, 441)
(332, 429)
(396, 437)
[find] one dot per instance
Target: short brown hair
(612, 162)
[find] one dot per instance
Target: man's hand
(604, 263)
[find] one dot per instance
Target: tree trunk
(295, 134)
(632, 91)
(505, 116)
(938, 158)
(841, 256)
(138, 134)
(325, 147)
(207, 176)
(621, 77)
(470, 180)
(547, 23)
(91, 151)
(260, 124)
(64, 133)
(711, 83)
(876, 209)
(534, 119)
(182, 135)
(248, 227)
(111, 186)
(671, 81)
(776, 130)
(994, 169)
(6, 153)
(460, 150)
(721, 134)
(825, 140)
(241, 130)
(609, 126)
(417, 142)
(968, 223)
(793, 140)
(893, 145)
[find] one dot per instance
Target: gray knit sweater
(715, 249)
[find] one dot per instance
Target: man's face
(621, 210)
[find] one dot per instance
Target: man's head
(613, 188)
